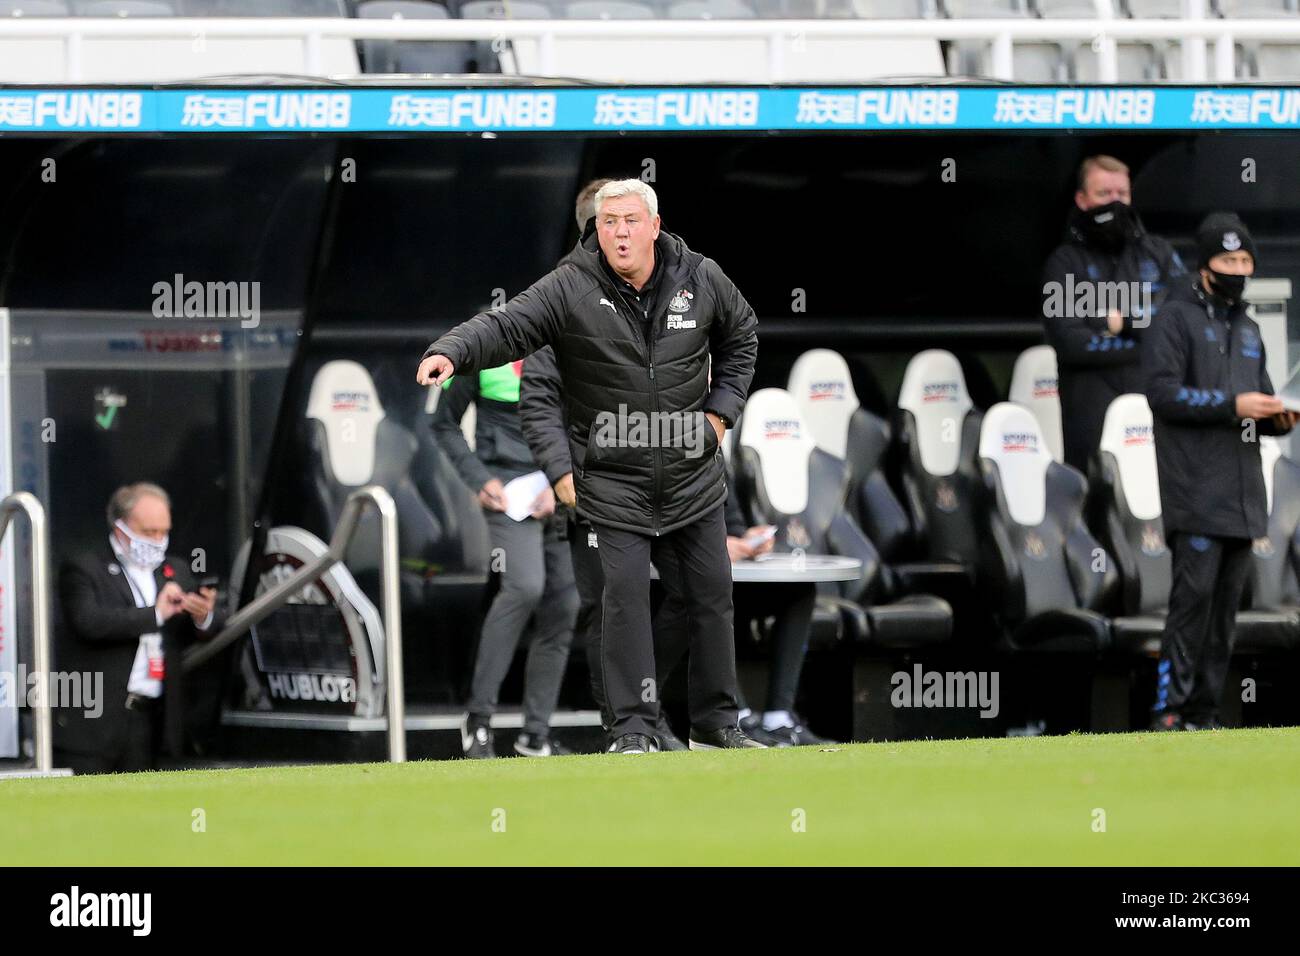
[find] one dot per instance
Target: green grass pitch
(1207, 798)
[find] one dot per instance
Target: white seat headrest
(820, 382)
(1035, 384)
(934, 391)
(344, 401)
(773, 426)
(1011, 438)
(1128, 434)
(1269, 452)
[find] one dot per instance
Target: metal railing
(279, 595)
(30, 505)
(782, 36)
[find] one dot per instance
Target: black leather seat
(1272, 619)
(1124, 476)
(823, 387)
(351, 442)
(1035, 385)
(1041, 562)
(801, 489)
(1125, 471)
(938, 432)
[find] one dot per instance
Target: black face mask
(1106, 227)
(1227, 287)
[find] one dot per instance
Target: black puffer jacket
(1094, 368)
(1197, 356)
(617, 386)
(541, 413)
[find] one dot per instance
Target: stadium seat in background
(1272, 619)
(350, 442)
(1066, 9)
(1123, 474)
(801, 489)
(1032, 61)
(938, 432)
(1152, 9)
(124, 8)
(508, 60)
(608, 10)
(412, 56)
(1035, 384)
(1256, 9)
(823, 389)
(1040, 558)
(711, 10)
(33, 8)
(894, 9)
(1274, 62)
(130, 60)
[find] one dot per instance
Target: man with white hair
(634, 317)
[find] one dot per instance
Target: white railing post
(1107, 58)
(1225, 58)
(1003, 62)
(545, 54)
(1196, 67)
(775, 57)
(72, 51)
(315, 62)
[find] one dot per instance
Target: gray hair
(124, 499)
(628, 187)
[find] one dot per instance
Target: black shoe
(724, 738)
(665, 737)
(476, 738)
(535, 745)
(752, 725)
(796, 736)
(1168, 721)
(634, 744)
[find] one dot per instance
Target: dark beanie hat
(1221, 232)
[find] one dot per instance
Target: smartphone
(767, 534)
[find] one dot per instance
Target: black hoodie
(627, 472)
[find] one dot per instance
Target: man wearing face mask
(1095, 332)
(1210, 393)
(129, 609)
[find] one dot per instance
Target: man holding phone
(130, 608)
(790, 607)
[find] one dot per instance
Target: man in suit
(129, 610)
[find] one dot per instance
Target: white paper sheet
(521, 492)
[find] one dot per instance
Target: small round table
(786, 568)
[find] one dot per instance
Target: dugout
(366, 242)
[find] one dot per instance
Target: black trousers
(696, 572)
(1209, 577)
(791, 607)
(138, 750)
(668, 616)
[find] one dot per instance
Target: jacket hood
(679, 260)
